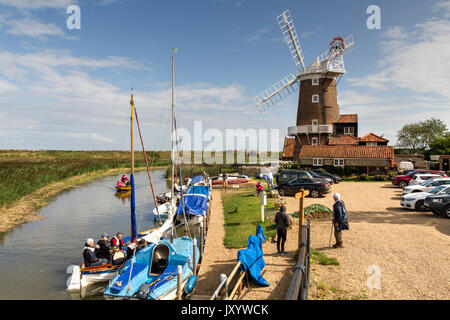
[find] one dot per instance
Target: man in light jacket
(340, 220)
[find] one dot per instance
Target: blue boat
(152, 273)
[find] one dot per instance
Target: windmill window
(315, 82)
(315, 98)
(371, 143)
(315, 141)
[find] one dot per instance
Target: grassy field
(23, 172)
(242, 211)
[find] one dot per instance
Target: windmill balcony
(292, 131)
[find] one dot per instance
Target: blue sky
(69, 89)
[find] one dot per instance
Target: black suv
(316, 188)
(325, 174)
(439, 204)
(286, 175)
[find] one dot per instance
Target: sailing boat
(153, 271)
(82, 276)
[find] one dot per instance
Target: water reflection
(34, 256)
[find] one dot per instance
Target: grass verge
(242, 212)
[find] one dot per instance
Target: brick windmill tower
(318, 108)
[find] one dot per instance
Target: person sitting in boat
(117, 242)
(118, 255)
(89, 256)
(119, 184)
(124, 180)
(104, 249)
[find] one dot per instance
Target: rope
(148, 169)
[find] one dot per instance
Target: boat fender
(190, 284)
(143, 291)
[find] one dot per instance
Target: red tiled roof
(370, 137)
(346, 139)
(288, 149)
(348, 118)
(368, 152)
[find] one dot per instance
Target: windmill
(317, 106)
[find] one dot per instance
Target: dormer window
(315, 98)
(349, 130)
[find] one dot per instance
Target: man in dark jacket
(282, 221)
(340, 220)
(89, 257)
(104, 249)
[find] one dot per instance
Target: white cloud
(37, 4)
(415, 59)
(33, 28)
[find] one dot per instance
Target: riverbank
(33, 178)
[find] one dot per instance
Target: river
(35, 255)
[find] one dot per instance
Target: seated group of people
(109, 252)
(124, 181)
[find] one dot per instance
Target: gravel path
(409, 249)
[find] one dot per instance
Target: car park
(426, 185)
(316, 188)
(415, 201)
(439, 204)
(403, 180)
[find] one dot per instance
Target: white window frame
(316, 100)
(317, 162)
(315, 81)
(372, 144)
(315, 122)
(316, 140)
(349, 130)
(338, 162)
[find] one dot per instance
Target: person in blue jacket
(340, 220)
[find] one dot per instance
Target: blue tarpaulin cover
(199, 190)
(195, 204)
(252, 258)
(197, 179)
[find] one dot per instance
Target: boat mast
(172, 194)
(133, 206)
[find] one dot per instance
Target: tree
(440, 146)
(418, 136)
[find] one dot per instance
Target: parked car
(320, 177)
(439, 203)
(403, 180)
(286, 175)
(316, 188)
(426, 185)
(419, 178)
(326, 174)
(415, 201)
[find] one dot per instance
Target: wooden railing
(223, 288)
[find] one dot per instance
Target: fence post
(194, 256)
(301, 218)
(224, 291)
(179, 289)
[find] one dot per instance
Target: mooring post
(301, 218)
(194, 256)
(179, 289)
(202, 238)
(263, 203)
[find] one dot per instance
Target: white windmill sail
(290, 37)
(277, 92)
